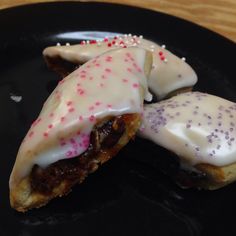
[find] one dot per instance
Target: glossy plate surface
(129, 195)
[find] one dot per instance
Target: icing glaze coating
(198, 127)
(169, 73)
(109, 85)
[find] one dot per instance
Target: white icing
(169, 72)
(198, 127)
(109, 85)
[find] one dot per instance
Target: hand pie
(88, 118)
(200, 129)
(169, 75)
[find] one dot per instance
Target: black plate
(128, 195)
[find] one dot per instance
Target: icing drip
(196, 126)
(169, 73)
(109, 85)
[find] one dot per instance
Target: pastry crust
(199, 129)
(112, 86)
(24, 198)
(217, 177)
(169, 73)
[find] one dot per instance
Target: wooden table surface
(217, 15)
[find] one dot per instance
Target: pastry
(88, 118)
(170, 75)
(200, 129)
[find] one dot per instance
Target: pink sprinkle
(51, 114)
(97, 65)
(36, 122)
(93, 41)
(81, 118)
(88, 66)
(79, 84)
(71, 109)
(101, 85)
(45, 134)
(83, 76)
(69, 103)
(128, 54)
(97, 103)
(135, 85)
(92, 118)
(129, 69)
(135, 65)
(69, 153)
(80, 91)
(31, 134)
(62, 118)
(72, 141)
(91, 108)
(61, 82)
(91, 78)
(50, 126)
(83, 72)
(126, 60)
(139, 70)
(109, 105)
(108, 70)
(108, 58)
(104, 77)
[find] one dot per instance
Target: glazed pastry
(88, 118)
(169, 75)
(200, 129)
